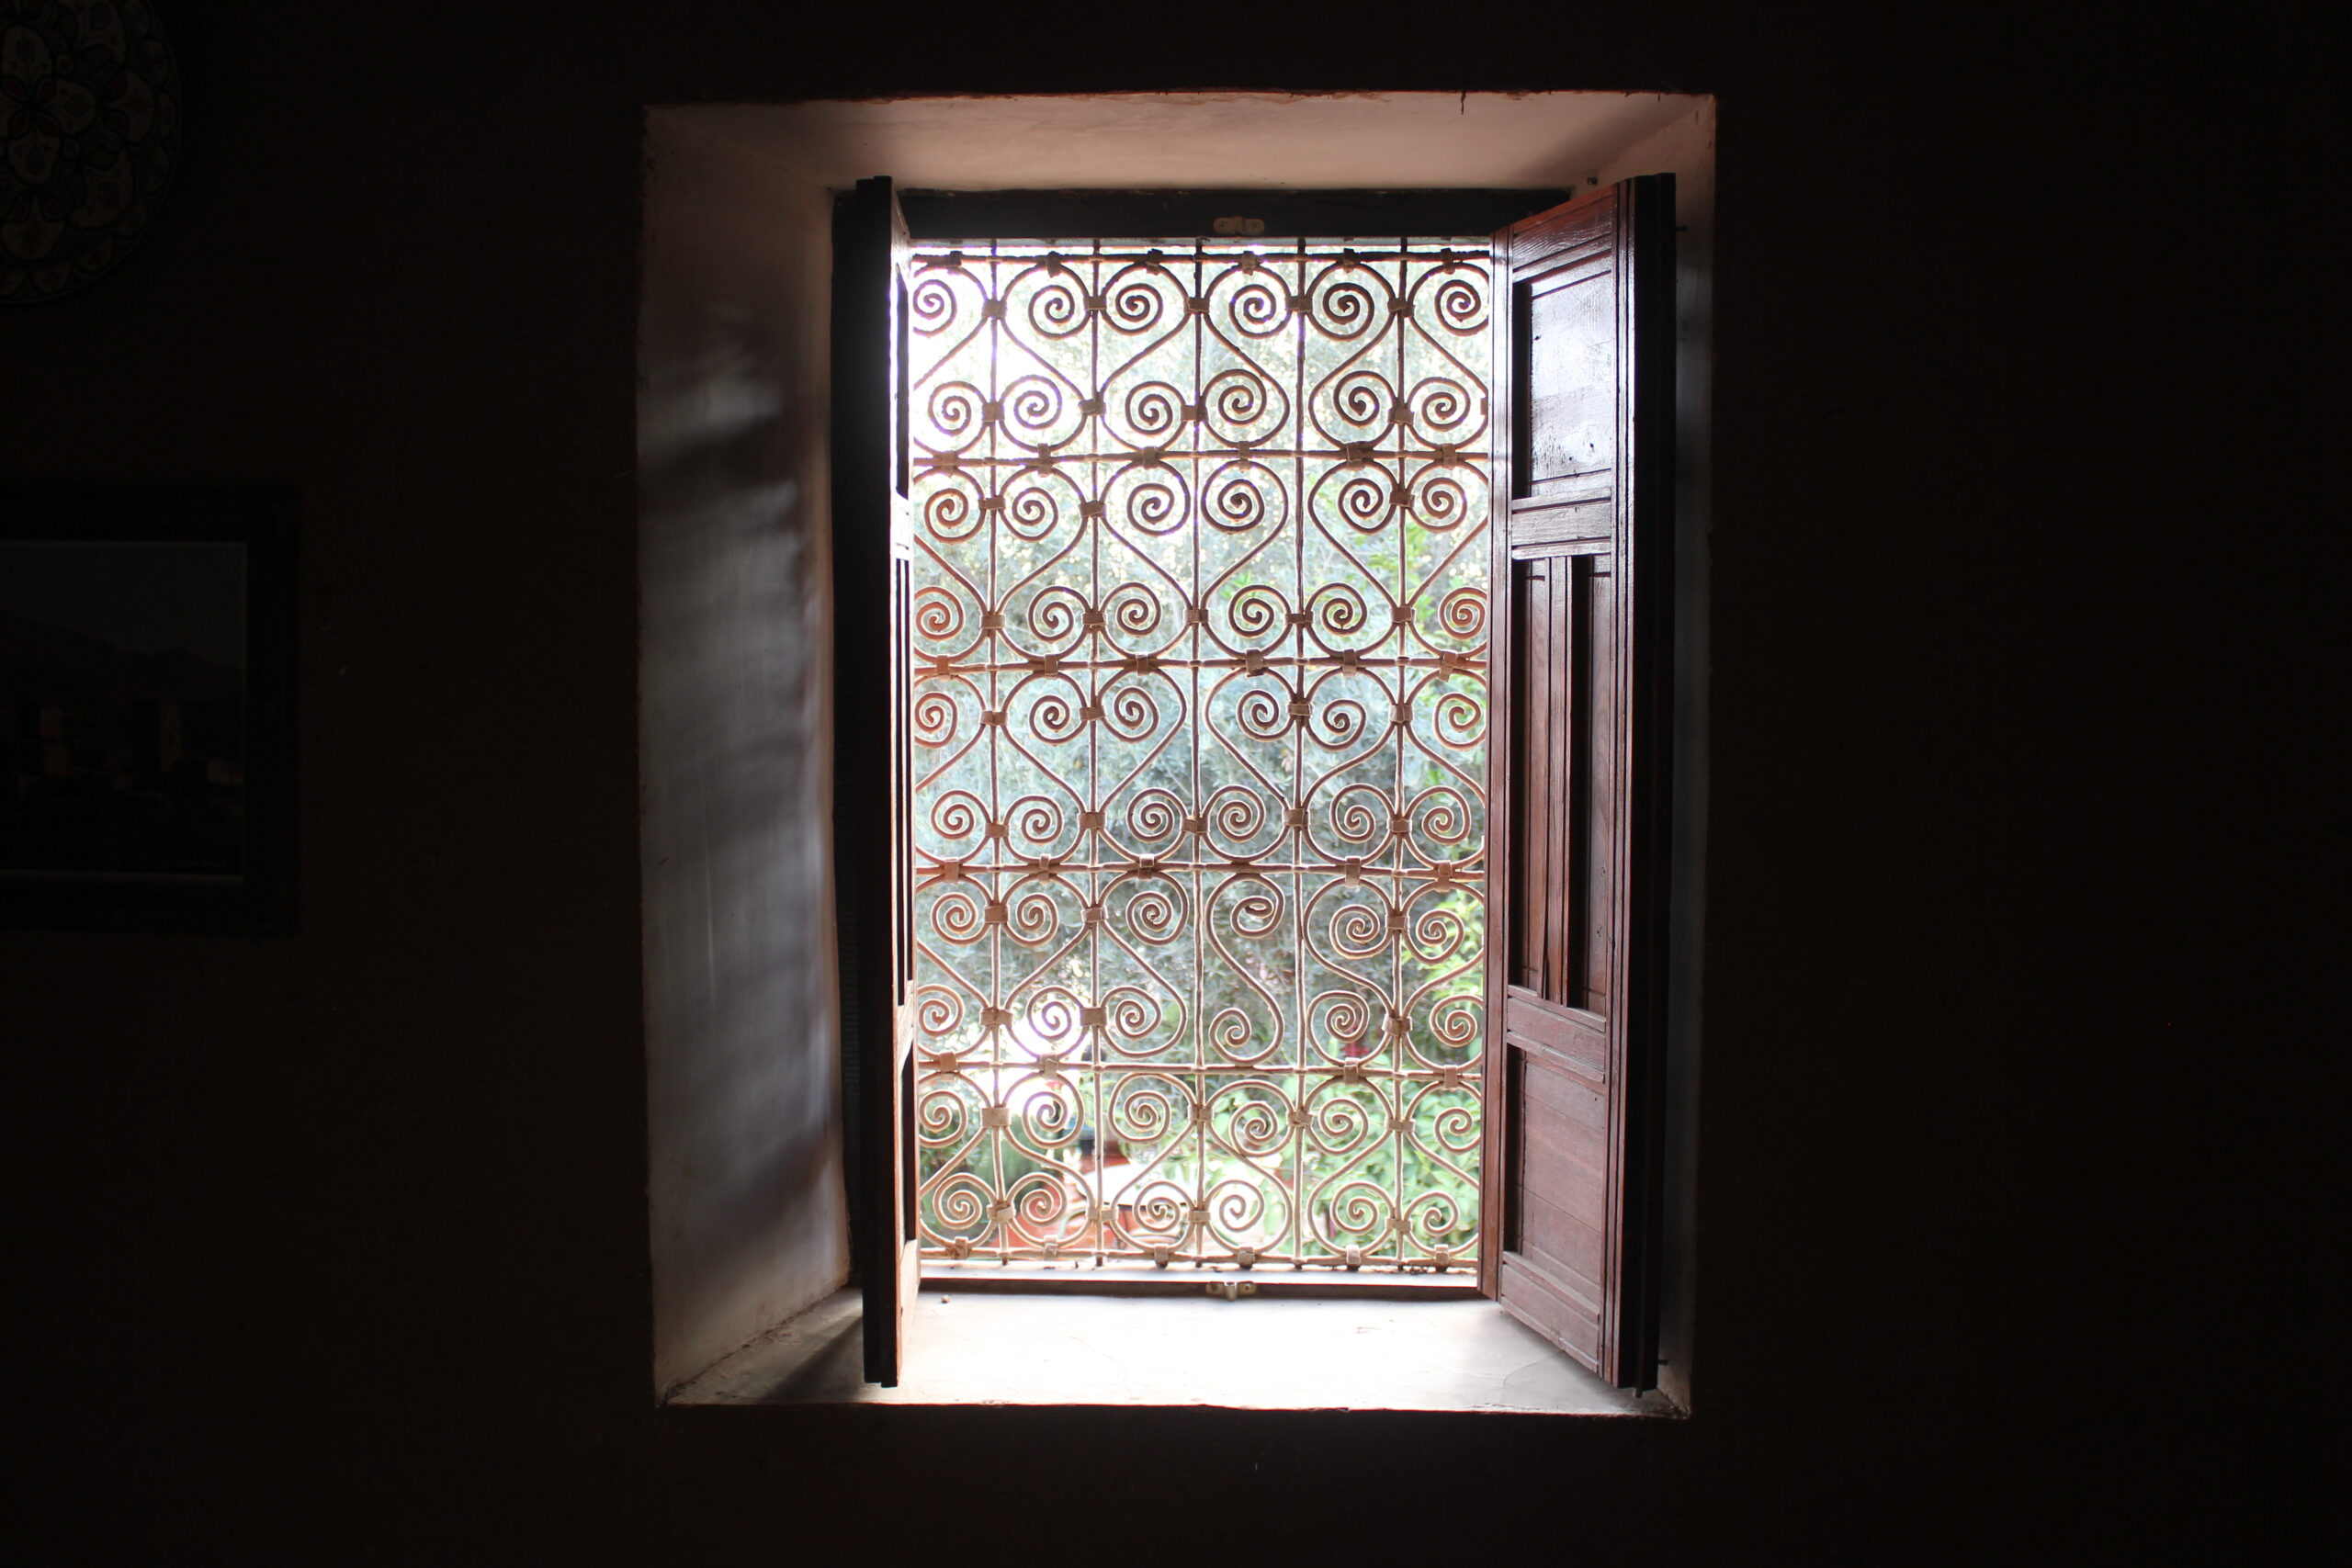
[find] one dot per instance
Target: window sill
(1260, 1353)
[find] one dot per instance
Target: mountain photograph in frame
(145, 770)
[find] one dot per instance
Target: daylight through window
(1199, 544)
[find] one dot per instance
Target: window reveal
(1200, 559)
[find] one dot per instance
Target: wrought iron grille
(1199, 716)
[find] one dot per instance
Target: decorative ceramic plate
(89, 136)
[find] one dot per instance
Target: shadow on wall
(749, 1222)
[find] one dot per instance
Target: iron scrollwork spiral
(1199, 714)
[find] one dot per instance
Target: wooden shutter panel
(1577, 768)
(873, 866)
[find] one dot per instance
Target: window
(1198, 543)
(1566, 1022)
(749, 1028)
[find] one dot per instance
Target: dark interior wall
(742, 1035)
(334, 1248)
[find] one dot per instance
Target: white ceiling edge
(1197, 140)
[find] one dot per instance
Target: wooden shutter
(872, 871)
(1577, 768)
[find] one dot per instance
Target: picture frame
(147, 709)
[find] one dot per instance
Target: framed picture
(146, 710)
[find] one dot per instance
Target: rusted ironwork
(1200, 713)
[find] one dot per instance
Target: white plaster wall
(749, 1224)
(1204, 140)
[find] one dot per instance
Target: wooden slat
(1580, 1039)
(1569, 770)
(1589, 224)
(1557, 1239)
(1601, 745)
(1551, 1309)
(1577, 1177)
(1561, 548)
(1534, 790)
(1548, 521)
(1559, 1092)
